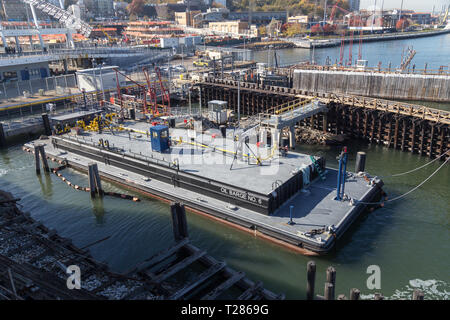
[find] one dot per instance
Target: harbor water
(433, 51)
(408, 239)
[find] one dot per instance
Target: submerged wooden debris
(34, 261)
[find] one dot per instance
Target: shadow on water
(5, 156)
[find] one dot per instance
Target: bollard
(311, 279)
(291, 210)
(354, 294)
(2, 136)
(46, 121)
(360, 162)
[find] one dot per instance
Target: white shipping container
(93, 79)
(170, 42)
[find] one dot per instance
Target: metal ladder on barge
(318, 168)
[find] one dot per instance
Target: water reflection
(45, 181)
(98, 209)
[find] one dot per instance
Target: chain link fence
(59, 85)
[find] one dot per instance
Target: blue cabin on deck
(160, 138)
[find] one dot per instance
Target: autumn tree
(136, 7)
(294, 29)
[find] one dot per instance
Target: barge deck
(251, 197)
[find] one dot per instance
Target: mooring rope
(407, 193)
(418, 168)
(80, 188)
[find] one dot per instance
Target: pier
(408, 127)
(334, 42)
(386, 85)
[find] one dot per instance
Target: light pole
(101, 82)
(239, 97)
(95, 76)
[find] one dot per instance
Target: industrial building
(235, 27)
(186, 18)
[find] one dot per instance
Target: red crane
(333, 11)
(350, 52)
(360, 39)
(151, 91)
(165, 93)
(341, 54)
(119, 95)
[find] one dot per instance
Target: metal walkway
(62, 15)
(290, 113)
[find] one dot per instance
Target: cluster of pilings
(409, 133)
(251, 101)
(405, 133)
(95, 186)
(329, 291)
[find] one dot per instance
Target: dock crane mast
(333, 12)
(165, 93)
(119, 95)
(151, 91)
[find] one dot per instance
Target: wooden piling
(36, 158)
(311, 280)
(354, 294)
(39, 154)
(378, 296)
(328, 291)
(331, 275)
(418, 295)
(2, 136)
(46, 121)
(92, 186)
(179, 222)
(95, 184)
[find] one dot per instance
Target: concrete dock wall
(380, 85)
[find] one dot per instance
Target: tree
(136, 7)
(294, 29)
(262, 31)
(217, 5)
